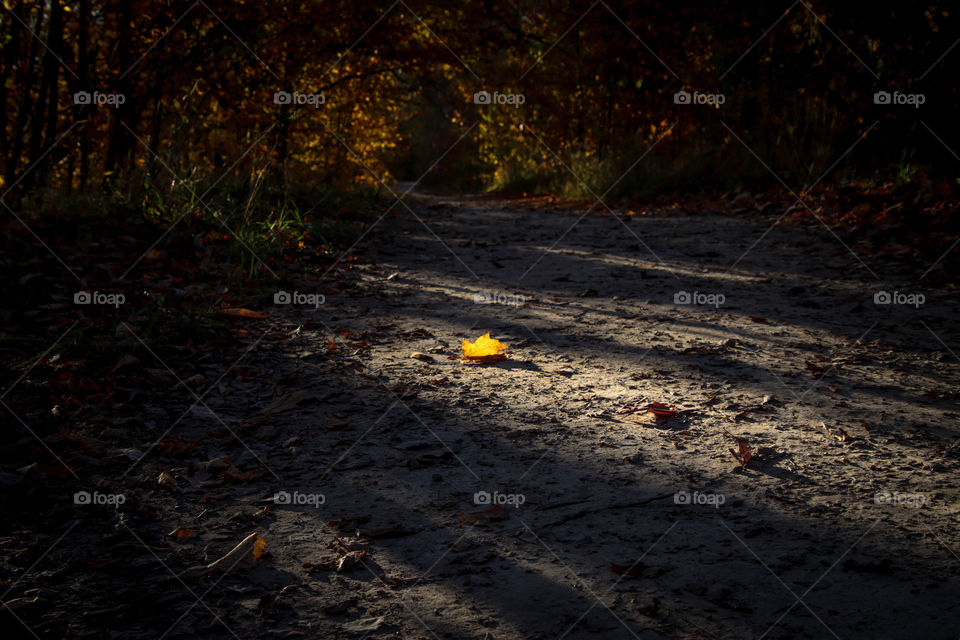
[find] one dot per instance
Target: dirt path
(606, 523)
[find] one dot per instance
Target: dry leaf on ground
(484, 349)
(349, 560)
(744, 455)
(662, 411)
(244, 555)
(365, 625)
(240, 312)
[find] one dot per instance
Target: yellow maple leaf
(484, 347)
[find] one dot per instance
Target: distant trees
(126, 93)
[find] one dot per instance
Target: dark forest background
(197, 84)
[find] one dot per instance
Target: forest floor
(799, 479)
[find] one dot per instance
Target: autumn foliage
(152, 95)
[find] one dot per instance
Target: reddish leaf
(240, 312)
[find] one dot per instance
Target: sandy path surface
(535, 497)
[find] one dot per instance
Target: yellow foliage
(484, 347)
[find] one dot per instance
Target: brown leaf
(743, 455)
(244, 555)
(166, 480)
(661, 411)
(350, 560)
(347, 545)
(240, 312)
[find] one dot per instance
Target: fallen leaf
(744, 455)
(485, 348)
(244, 555)
(840, 434)
(346, 545)
(232, 475)
(662, 411)
(166, 480)
(349, 560)
(240, 312)
(365, 625)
